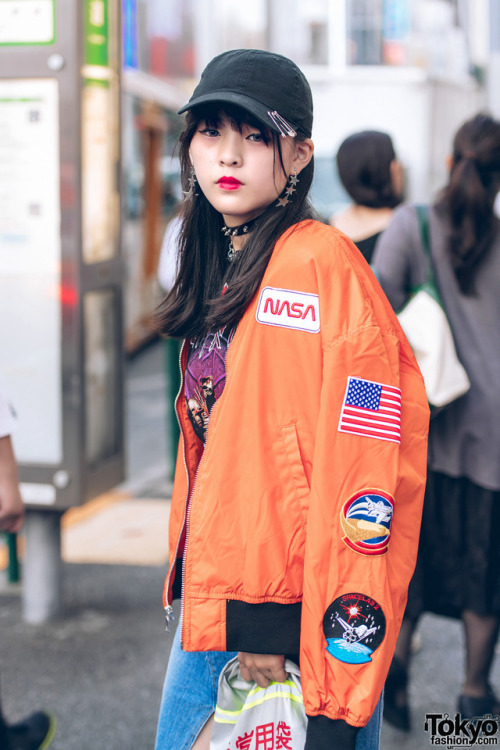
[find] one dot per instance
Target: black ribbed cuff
(330, 734)
(266, 628)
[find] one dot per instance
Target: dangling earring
(192, 186)
(289, 189)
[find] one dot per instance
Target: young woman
(373, 177)
(303, 425)
(458, 569)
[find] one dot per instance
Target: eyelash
(259, 138)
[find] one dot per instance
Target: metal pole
(42, 566)
(269, 33)
(494, 63)
(13, 568)
(172, 378)
(205, 38)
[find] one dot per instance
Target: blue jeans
(190, 694)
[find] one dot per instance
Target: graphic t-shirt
(205, 377)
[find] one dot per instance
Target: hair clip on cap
(283, 126)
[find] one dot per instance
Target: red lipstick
(229, 183)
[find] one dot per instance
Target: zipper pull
(169, 615)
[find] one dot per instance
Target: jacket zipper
(169, 612)
(189, 504)
(190, 492)
(186, 525)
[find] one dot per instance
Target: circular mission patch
(354, 627)
(366, 520)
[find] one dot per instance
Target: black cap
(269, 86)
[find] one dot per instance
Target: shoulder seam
(355, 331)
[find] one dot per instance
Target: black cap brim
(254, 107)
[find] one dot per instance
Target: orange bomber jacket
(303, 524)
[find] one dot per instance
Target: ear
(397, 177)
(449, 162)
(303, 154)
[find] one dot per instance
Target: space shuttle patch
(354, 627)
(366, 520)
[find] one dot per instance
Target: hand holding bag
(248, 717)
(428, 331)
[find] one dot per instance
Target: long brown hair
(469, 197)
(195, 304)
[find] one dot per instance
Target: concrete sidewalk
(100, 668)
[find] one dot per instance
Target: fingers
(245, 673)
(11, 524)
(262, 668)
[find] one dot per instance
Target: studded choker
(244, 228)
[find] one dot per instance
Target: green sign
(96, 29)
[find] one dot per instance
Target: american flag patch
(371, 409)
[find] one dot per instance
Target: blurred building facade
(414, 68)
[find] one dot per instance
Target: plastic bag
(248, 717)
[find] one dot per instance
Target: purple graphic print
(205, 377)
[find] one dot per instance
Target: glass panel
(158, 36)
(137, 127)
(27, 23)
(396, 31)
(30, 265)
(150, 173)
(299, 30)
(239, 25)
(101, 373)
(364, 32)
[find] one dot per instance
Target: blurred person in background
(458, 568)
(35, 732)
(169, 254)
(373, 177)
(272, 503)
(166, 274)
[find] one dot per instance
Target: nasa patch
(354, 627)
(289, 309)
(366, 519)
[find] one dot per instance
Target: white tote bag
(249, 717)
(428, 331)
(426, 327)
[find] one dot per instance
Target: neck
(239, 241)
(237, 234)
(235, 230)
(360, 222)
